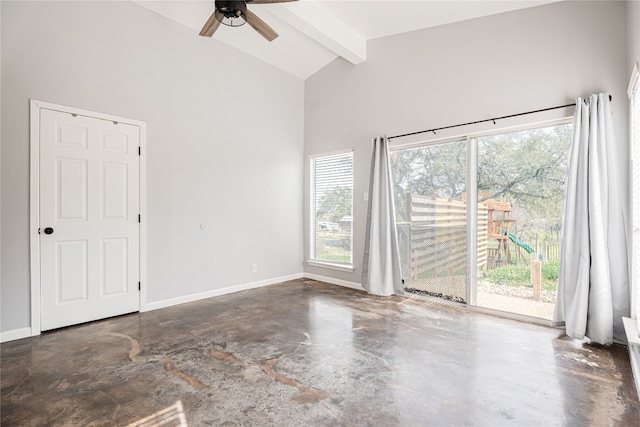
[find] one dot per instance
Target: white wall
(477, 69)
(225, 142)
(633, 34)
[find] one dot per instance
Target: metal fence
(547, 251)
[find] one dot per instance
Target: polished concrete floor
(307, 353)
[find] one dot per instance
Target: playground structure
(433, 244)
(502, 228)
(499, 228)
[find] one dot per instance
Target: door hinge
(139, 218)
(139, 286)
(139, 151)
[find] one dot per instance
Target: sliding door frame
(471, 184)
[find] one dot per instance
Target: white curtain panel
(593, 284)
(381, 266)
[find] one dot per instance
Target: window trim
(480, 133)
(633, 92)
(332, 266)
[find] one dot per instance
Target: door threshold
(482, 310)
(512, 316)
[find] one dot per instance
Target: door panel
(114, 266)
(430, 198)
(71, 189)
(89, 197)
(71, 266)
(71, 136)
(114, 180)
(520, 192)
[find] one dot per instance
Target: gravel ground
(516, 291)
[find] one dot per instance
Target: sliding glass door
(430, 192)
(520, 192)
(505, 190)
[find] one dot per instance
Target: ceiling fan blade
(212, 24)
(268, 1)
(260, 26)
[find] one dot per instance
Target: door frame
(34, 200)
(471, 138)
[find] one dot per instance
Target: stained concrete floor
(307, 353)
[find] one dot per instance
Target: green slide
(520, 243)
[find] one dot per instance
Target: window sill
(339, 267)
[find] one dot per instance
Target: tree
(333, 183)
(526, 168)
(334, 204)
(438, 171)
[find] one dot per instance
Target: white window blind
(331, 208)
(634, 96)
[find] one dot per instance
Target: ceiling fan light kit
(234, 13)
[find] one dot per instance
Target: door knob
(48, 230)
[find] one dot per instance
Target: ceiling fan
(234, 13)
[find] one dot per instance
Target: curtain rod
(484, 121)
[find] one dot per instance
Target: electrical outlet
(254, 268)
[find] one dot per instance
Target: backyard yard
(333, 246)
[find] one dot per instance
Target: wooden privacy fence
(433, 244)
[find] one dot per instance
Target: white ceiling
(315, 32)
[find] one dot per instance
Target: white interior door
(89, 218)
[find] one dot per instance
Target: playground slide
(522, 244)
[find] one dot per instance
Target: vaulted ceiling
(315, 32)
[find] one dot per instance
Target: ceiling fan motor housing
(234, 13)
(232, 9)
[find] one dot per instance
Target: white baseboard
(217, 292)
(15, 334)
(346, 284)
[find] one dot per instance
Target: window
(634, 97)
(634, 121)
(331, 208)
